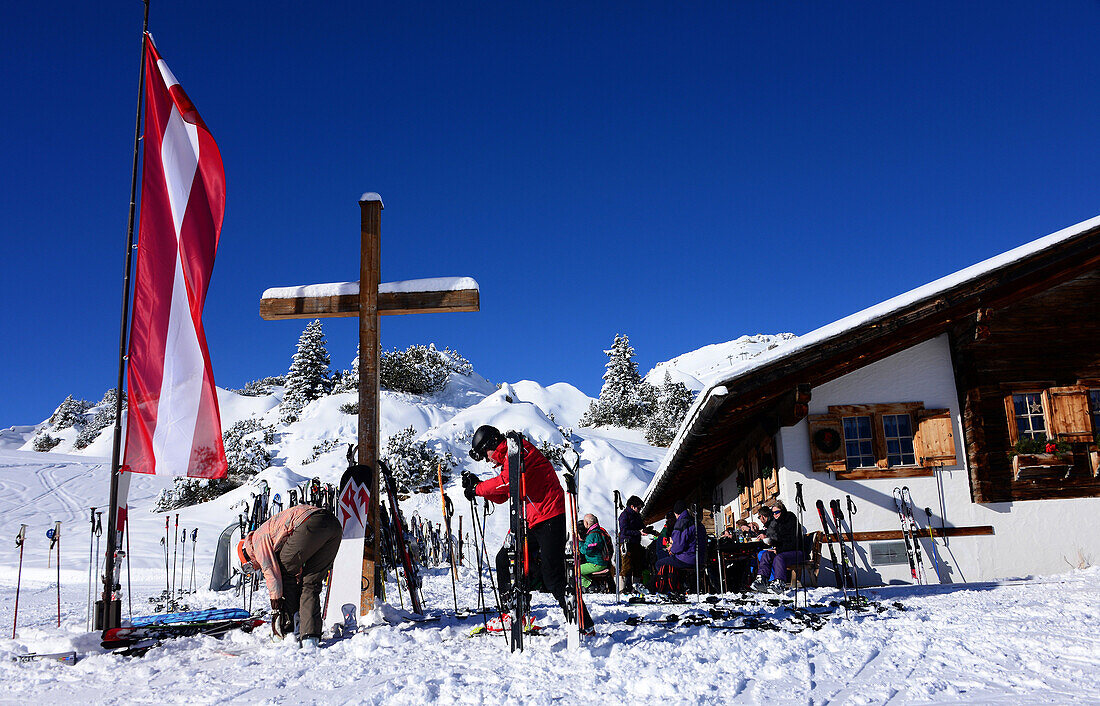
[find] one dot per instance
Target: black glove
(469, 485)
(281, 623)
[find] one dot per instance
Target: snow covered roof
(335, 289)
(744, 370)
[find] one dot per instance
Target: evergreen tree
(308, 377)
(625, 399)
(44, 442)
(69, 413)
(103, 418)
(414, 463)
(349, 380)
(420, 370)
(672, 404)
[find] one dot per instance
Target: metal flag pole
(109, 618)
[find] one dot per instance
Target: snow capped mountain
(698, 368)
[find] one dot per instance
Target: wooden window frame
(1009, 389)
(882, 469)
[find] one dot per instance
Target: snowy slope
(699, 368)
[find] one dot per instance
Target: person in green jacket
(596, 549)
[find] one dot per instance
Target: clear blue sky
(684, 173)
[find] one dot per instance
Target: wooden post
(370, 257)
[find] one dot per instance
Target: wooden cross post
(368, 299)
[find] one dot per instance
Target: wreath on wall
(827, 440)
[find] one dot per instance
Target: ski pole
(617, 499)
(55, 539)
(91, 573)
(448, 510)
(698, 526)
(194, 540)
(97, 530)
(800, 506)
(716, 501)
(175, 547)
(19, 577)
(167, 573)
(932, 539)
(183, 559)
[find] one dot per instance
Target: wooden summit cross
(368, 299)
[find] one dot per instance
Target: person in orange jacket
(545, 502)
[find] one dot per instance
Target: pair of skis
(903, 501)
(844, 571)
(571, 492)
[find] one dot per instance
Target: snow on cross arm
(338, 289)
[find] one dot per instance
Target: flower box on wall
(1029, 466)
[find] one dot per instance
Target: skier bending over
(299, 545)
(545, 507)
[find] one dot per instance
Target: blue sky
(682, 173)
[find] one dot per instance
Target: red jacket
(545, 498)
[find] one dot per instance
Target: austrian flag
(173, 424)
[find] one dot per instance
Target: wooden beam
(883, 535)
(884, 474)
(370, 343)
(389, 304)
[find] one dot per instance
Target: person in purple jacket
(685, 535)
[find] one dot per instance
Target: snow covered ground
(1029, 641)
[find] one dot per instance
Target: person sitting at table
(783, 537)
(685, 541)
(596, 550)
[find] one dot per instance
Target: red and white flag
(173, 424)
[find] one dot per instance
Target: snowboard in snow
(348, 585)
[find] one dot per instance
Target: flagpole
(108, 618)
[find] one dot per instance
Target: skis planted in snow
(518, 601)
(412, 577)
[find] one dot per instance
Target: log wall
(1050, 339)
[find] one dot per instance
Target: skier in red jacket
(545, 502)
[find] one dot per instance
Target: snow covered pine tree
(308, 377)
(625, 399)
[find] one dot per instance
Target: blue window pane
(864, 427)
(889, 422)
(1020, 403)
(865, 448)
(893, 446)
(904, 425)
(907, 446)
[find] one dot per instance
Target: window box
(1034, 466)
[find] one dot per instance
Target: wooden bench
(810, 566)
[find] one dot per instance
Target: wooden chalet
(941, 390)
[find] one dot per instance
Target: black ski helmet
(486, 438)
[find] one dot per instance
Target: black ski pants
(304, 560)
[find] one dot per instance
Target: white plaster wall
(1030, 537)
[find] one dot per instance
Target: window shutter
(827, 443)
(1070, 413)
(934, 440)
